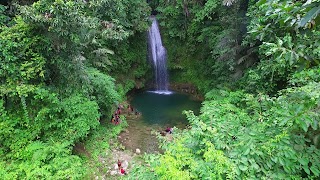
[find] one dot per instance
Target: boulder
(112, 173)
(125, 164)
(138, 151)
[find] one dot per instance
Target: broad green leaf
(306, 169)
(304, 125)
(247, 151)
(315, 170)
(243, 167)
(260, 2)
(303, 161)
(312, 14)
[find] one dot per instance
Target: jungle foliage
(203, 31)
(58, 79)
(260, 72)
(66, 64)
(243, 136)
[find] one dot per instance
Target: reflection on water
(164, 109)
(158, 111)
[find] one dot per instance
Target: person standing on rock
(118, 110)
(117, 119)
(112, 119)
(119, 164)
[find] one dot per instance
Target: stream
(156, 112)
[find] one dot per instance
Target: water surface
(158, 111)
(164, 109)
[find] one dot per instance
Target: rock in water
(138, 151)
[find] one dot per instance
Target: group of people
(131, 110)
(115, 118)
(121, 169)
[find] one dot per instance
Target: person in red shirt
(122, 171)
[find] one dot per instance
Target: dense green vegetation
(258, 64)
(65, 65)
(61, 73)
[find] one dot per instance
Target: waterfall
(158, 57)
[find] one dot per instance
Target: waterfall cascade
(158, 57)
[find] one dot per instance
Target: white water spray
(158, 57)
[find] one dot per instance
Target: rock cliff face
(186, 88)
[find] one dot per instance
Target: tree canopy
(65, 65)
(58, 79)
(257, 63)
